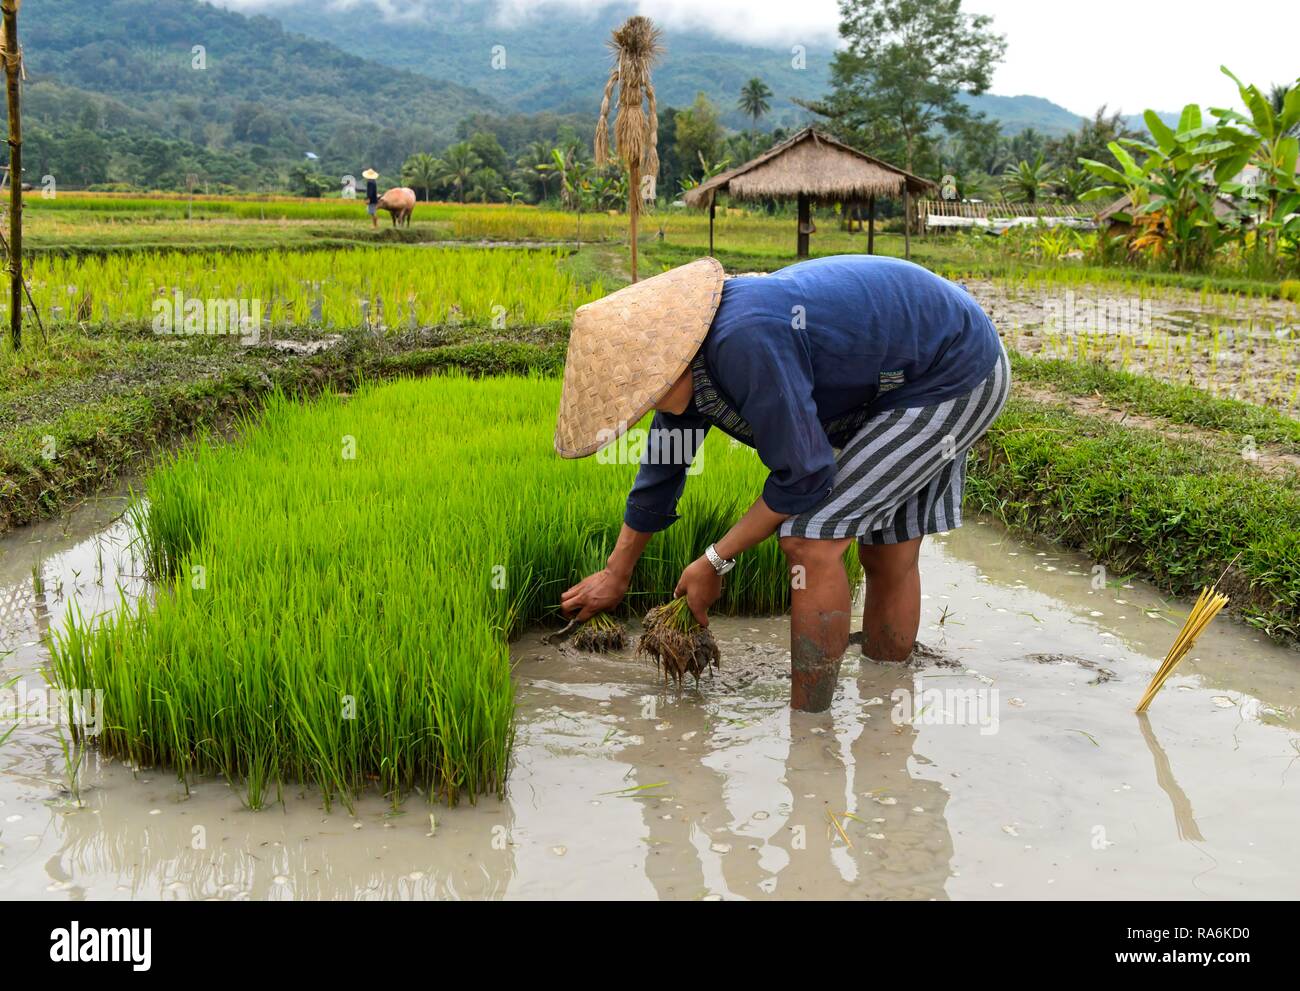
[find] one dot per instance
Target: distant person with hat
(372, 196)
(861, 381)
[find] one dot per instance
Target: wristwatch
(720, 564)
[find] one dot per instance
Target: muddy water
(1005, 763)
(1228, 345)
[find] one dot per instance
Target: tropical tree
(484, 185)
(457, 167)
(528, 167)
(754, 97)
(717, 168)
(1174, 190)
(699, 132)
(636, 47)
(1071, 184)
(567, 167)
(1028, 182)
(1267, 140)
(422, 171)
(904, 68)
(1277, 94)
(309, 182)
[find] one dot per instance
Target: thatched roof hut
(812, 167)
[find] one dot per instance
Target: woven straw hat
(370, 174)
(627, 350)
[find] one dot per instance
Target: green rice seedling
(677, 642)
(336, 590)
(600, 634)
(430, 286)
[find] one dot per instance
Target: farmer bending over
(861, 382)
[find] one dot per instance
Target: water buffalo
(400, 204)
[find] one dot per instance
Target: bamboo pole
(805, 223)
(13, 69)
(871, 225)
(907, 222)
(634, 210)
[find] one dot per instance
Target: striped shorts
(902, 475)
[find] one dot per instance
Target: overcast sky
(1130, 54)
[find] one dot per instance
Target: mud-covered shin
(817, 646)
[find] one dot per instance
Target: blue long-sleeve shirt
(795, 362)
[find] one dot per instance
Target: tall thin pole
(805, 222)
(907, 222)
(13, 70)
(634, 210)
(871, 225)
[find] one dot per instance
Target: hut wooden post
(713, 212)
(907, 222)
(871, 225)
(13, 70)
(805, 219)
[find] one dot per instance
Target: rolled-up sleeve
(670, 448)
(768, 373)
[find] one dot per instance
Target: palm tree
(1026, 182)
(1073, 183)
(421, 172)
(753, 101)
(528, 165)
(484, 185)
(564, 166)
(457, 167)
(636, 47)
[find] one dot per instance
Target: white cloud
(1130, 54)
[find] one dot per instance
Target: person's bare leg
(891, 615)
(820, 612)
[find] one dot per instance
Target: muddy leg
(819, 619)
(892, 613)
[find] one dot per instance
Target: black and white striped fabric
(902, 475)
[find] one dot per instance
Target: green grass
(87, 406)
(1152, 397)
(1138, 502)
(298, 579)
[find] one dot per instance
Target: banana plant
(1267, 140)
(1174, 189)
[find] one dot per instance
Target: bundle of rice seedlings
(600, 634)
(1206, 608)
(678, 644)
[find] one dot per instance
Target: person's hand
(702, 587)
(596, 593)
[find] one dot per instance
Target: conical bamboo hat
(628, 349)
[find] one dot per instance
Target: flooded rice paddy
(1231, 346)
(1006, 762)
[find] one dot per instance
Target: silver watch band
(720, 564)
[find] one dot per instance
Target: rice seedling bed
(337, 589)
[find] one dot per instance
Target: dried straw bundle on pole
(636, 48)
(1206, 608)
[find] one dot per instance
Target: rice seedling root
(678, 644)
